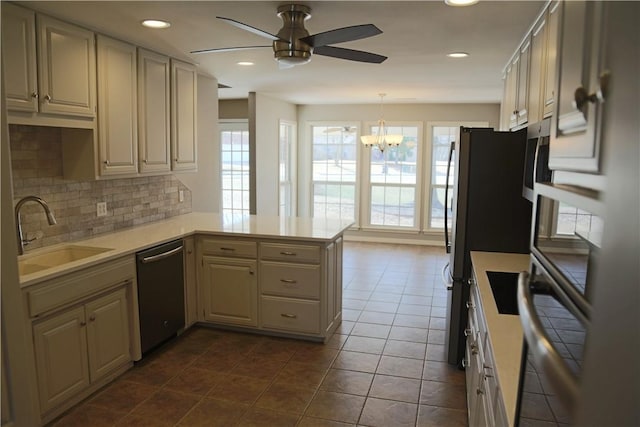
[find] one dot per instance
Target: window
(286, 167)
(442, 135)
(234, 168)
(334, 171)
(393, 180)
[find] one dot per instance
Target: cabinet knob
(467, 332)
(83, 323)
(581, 96)
(479, 391)
(34, 95)
(92, 317)
(106, 162)
(47, 97)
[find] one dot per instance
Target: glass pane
(334, 171)
(437, 208)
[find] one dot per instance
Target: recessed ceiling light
(457, 54)
(156, 23)
(460, 2)
(245, 63)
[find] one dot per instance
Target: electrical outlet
(101, 209)
(181, 196)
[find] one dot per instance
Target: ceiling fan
(294, 46)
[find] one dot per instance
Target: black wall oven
(554, 301)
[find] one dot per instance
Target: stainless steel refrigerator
(488, 214)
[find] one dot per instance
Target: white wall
(266, 113)
(205, 183)
(364, 114)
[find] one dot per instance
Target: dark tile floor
(385, 366)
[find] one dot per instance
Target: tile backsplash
(36, 160)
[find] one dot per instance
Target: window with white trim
(393, 183)
(441, 136)
(286, 168)
(234, 168)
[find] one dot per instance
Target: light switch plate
(101, 209)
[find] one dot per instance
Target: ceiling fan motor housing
(290, 50)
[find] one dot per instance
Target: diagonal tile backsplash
(36, 160)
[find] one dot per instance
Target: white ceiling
(416, 36)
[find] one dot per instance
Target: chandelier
(382, 139)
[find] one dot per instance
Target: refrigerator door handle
(447, 244)
(541, 347)
(446, 277)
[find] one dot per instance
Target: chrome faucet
(50, 218)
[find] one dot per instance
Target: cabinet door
(523, 82)
(183, 116)
(153, 112)
(19, 52)
(117, 115)
(512, 91)
(230, 291)
(66, 68)
(61, 357)
(536, 70)
(107, 334)
(551, 54)
(575, 142)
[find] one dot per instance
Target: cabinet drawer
(297, 280)
(291, 315)
(229, 248)
(290, 253)
(80, 284)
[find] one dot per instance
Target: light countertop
(132, 240)
(505, 331)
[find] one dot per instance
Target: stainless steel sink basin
(32, 263)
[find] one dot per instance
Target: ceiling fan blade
(249, 28)
(340, 35)
(226, 49)
(350, 54)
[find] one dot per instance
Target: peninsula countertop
(131, 240)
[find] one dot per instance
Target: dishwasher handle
(161, 256)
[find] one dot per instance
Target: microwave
(536, 159)
(554, 302)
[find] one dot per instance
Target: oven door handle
(544, 353)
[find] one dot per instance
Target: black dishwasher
(160, 293)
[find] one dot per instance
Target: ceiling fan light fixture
(156, 23)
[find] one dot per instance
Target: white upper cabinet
(580, 88)
(551, 54)
(66, 68)
(184, 107)
(59, 76)
(19, 51)
(154, 112)
(117, 112)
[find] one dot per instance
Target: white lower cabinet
(484, 400)
(278, 287)
(81, 332)
(80, 346)
(230, 291)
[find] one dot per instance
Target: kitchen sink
(32, 263)
(504, 287)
